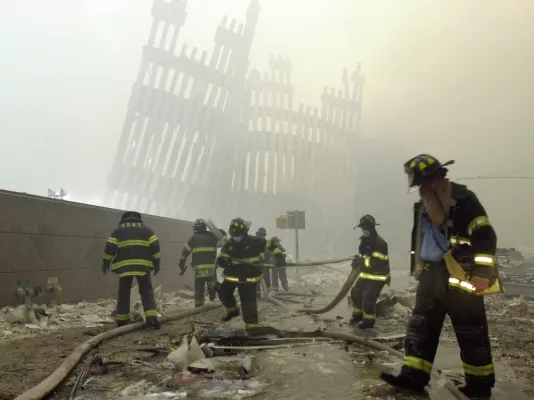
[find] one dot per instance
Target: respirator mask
(237, 239)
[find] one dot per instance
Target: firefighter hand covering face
(238, 229)
(428, 175)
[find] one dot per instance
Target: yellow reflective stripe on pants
(369, 316)
(133, 273)
(379, 255)
(126, 243)
(477, 223)
(125, 263)
(202, 266)
(202, 249)
(418, 363)
(122, 317)
(250, 325)
(483, 370)
(356, 310)
(231, 310)
(485, 259)
(364, 275)
(151, 313)
(255, 279)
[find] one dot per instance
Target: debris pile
(26, 321)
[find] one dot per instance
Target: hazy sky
(450, 77)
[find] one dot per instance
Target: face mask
(366, 233)
(237, 239)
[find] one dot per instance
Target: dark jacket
(250, 250)
(373, 258)
(203, 245)
(132, 248)
(469, 233)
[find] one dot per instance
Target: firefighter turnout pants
(267, 277)
(364, 296)
(435, 299)
(279, 273)
(247, 294)
(200, 289)
(147, 297)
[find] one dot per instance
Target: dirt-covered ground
(29, 353)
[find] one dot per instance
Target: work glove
(183, 268)
(357, 262)
(224, 262)
(156, 268)
(105, 268)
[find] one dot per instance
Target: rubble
(15, 324)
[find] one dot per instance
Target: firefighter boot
(476, 393)
(403, 383)
(153, 322)
(367, 324)
(122, 323)
(212, 291)
(231, 313)
(357, 317)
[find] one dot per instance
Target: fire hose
(351, 279)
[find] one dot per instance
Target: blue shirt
(434, 244)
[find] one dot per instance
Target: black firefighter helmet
(424, 167)
(130, 215)
(367, 222)
(238, 227)
(199, 225)
(261, 232)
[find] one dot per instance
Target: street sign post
(293, 220)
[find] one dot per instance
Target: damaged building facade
(206, 135)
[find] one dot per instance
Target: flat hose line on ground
(350, 337)
(46, 387)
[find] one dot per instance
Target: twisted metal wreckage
(203, 135)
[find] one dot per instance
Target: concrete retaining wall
(42, 238)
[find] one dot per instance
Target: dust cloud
(448, 77)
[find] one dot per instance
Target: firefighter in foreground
(453, 257)
(242, 247)
(133, 250)
(373, 261)
(203, 244)
(268, 260)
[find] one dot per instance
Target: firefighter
(133, 250)
(203, 244)
(373, 261)
(453, 257)
(279, 272)
(266, 259)
(242, 247)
